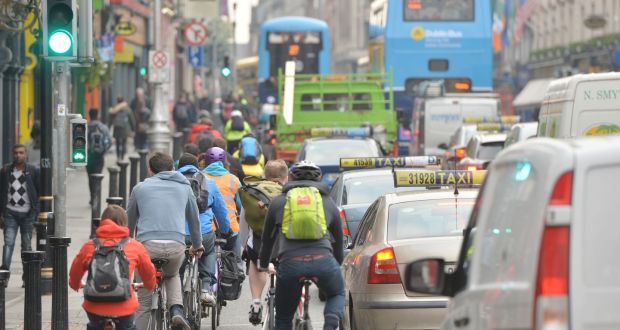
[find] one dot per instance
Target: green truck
(333, 101)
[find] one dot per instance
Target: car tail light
(551, 298)
(460, 153)
(383, 268)
(472, 168)
(343, 218)
(274, 141)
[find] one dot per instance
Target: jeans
(206, 263)
(94, 166)
(140, 140)
(174, 252)
(288, 288)
(96, 322)
(13, 221)
(121, 148)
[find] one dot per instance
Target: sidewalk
(78, 228)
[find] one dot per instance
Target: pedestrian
(183, 113)
(232, 164)
(204, 128)
(99, 142)
(236, 128)
(33, 145)
(113, 231)
(142, 116)
(214, 211)
(140, 96)
(159, 207)
(123, 125)
(205, 103)
(19, 202)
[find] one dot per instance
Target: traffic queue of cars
(533, 248)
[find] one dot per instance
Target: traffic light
(226, 70)
(59, 29)
(78, 142)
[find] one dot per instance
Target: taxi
(354, 190)
(540, 248)
(397, 229)
(330, 144)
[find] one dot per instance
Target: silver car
(397, 229)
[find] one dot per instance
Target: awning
(532, 94)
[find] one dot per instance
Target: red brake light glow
(383, 268)
(460, 153)
(562, 191)
(343, 218)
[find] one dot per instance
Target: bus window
(439, 10)
(301, 47)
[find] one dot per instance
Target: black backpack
(237, 124)
(232, 277)
(196, 180)
(96, 142)
(108, 273)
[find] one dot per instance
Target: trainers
(256, 316)
(178, 319)
(207, 297)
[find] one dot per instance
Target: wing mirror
(425, 276)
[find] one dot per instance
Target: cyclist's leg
(330, 281)
(288, 292)
(175, 253)
(206, 267)
(95, 322)
(257, 284)
(144, 296)
(125, 323)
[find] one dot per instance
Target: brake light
(274, 141)
(472, 168)
(343, 218)
(460, 153)
(383, 268)
(551, 297)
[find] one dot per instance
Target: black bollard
(185, 137)
(114, 201)
(143, 168)
(32, 280)
(95, 214)
(43, 220)
(133, 171)
(60, 296)
(113, 186)
(4, 281)
(122, 181)
(177, 146)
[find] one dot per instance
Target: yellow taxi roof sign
(381, 162)
(423, 178)
(339, 131)
(502, 119)
(492, 127)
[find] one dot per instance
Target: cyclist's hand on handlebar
(196, 252)
(271, 269)
(261, 269)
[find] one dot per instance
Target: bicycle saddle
(159, 262)
(304, 279)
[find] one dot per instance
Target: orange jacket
(228, 185)
(110, 233)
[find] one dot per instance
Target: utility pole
(159, 133)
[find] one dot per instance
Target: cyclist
(215, 209)
(306, 224)
(250, 155)
(111, 231)
(229, 187)
(232, 164)
(235, 129)
(159, 207)
(253, 216)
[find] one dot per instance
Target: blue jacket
(217, 206)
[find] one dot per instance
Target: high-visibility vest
(228, 185)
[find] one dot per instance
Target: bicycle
(108, 323)
(216, 309)
(192, 287)
(160, 315)
(301, 320)
(270, 300)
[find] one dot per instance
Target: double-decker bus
(422, 40)
(247, 78)
(300, 39)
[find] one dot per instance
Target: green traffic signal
(60, 42)
(78, 156)
(142, 71)
(78, 142)
(59, 26)
(226, 72)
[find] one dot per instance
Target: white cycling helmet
(236, 113)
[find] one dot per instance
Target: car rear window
(488, 151)
(432, 218)
(362, 190)
(329, 152)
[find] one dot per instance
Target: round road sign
(160, 59)
(195, 33)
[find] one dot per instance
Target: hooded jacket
(197, 128)
(160, 206)
(331, 243)
(230, 191)
(216, 210)
(109, 233)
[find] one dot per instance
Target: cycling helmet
(305, 170)
(236, 113)
(215, 154)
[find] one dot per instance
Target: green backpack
(256, 195)
(304, 216)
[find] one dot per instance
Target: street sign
(195, 33)
(159, 66)
(194, 56)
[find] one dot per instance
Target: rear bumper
(414, 304)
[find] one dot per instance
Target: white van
(436, 119)
(541, 247)
(584, 104)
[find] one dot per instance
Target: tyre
(272, 312)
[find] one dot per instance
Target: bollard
(177, 146)
(122, 181)
(114, 201)
(4, 281)
(32, 280)
(95, 214)
(133, 172)
(60, 295)
(113, 186)
(143, 168)
(43, 220)
(185, 137)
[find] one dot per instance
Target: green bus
(334, 101)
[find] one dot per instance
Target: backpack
(96, 140)
(304, 216)
(231, 276)
(237, 124)
(108, 273)
(256, 195)
(205, 133)
(181, 111)
(197, 180)
(121, 119)
(250, 151)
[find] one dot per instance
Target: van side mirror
(273, 121)
(425, 276)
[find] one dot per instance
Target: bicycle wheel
(271, 310)
(197, 307)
